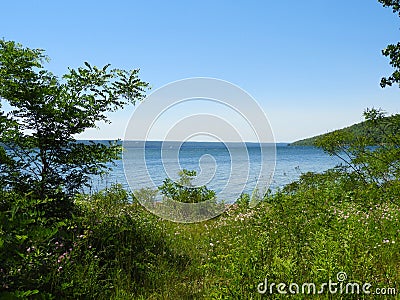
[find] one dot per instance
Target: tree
(375, 155)
(393, 50)
(39, 154)
(184, 191)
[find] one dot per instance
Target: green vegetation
(56, 243)
(373, 158)
(43, 159)
(111, 249)
(393, 50)
(359, 130)
(182, 201)
(184, 191)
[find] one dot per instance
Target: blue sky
(312, 65)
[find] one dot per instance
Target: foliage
(359, 130)
(395, 4)
(393, 50)
(108, 247)
(373, 155)
(374, 158)
(119, 247)
(243, 201)
(28, 254)
(184, 191)
(113, 248)
(343, 220)
(39, 154)
(309, 232)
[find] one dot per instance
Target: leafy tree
(393, 50)
(373, 155)
(184, 191)
(39, 154)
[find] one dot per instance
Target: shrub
(184, 191)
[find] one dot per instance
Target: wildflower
(211, 244)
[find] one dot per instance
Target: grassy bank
(111, 249)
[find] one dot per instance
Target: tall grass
(114, 249)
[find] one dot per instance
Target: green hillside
(359, 129)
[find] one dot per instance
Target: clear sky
(313, 65)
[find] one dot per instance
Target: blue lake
(228, 168)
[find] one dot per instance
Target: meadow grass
(306, 233)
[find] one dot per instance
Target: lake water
(228, 169)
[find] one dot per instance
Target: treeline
(359, 130)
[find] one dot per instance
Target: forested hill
(359, 129)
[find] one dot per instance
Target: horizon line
(177, 141)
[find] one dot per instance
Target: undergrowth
(112, 248)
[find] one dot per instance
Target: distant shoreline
(180, 142)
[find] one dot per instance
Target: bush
(184, 191)
(109, 246)
(28, 255)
